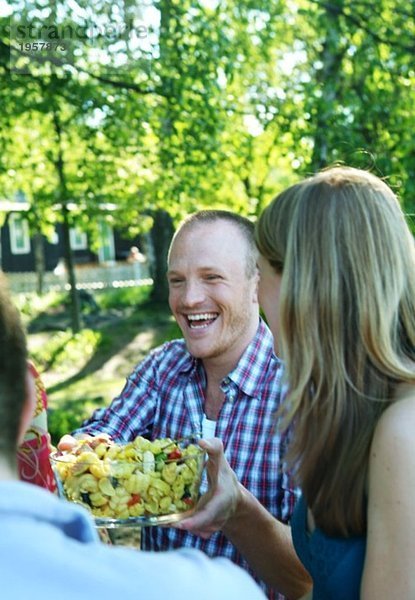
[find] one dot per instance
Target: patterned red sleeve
(33, 454)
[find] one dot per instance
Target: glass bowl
(142, 482)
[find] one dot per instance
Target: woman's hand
(220, 501)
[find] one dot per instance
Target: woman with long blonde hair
(337, 285)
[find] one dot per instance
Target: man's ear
(255, 297)
(29, 406)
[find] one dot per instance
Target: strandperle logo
(85, 32)
(46, 45)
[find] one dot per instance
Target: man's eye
(212, 277)
(175, 280)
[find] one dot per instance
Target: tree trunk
(39, 251)
(75, 305)
(163, 229)
(161, 235)
(331, 58)
(76, 319)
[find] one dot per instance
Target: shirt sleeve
(132, 412)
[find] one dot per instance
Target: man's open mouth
(201, 320)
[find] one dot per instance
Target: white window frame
(78, 239)
(15, 221)
(106, 234)
(54, 238)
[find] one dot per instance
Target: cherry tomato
(174, 454)
(135, 499)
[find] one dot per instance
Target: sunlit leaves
(217, 105)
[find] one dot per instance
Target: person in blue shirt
(49, 548)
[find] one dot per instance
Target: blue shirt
(164, 397)
(334, 563)
(49, 549)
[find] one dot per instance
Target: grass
(85, 371)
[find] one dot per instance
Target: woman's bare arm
(390, 555)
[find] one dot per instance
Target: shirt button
(231, 396)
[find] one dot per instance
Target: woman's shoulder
(395, 429)
(401, 412)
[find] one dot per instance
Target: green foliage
(69, 415)
(173, 332)
(65, 350)
(123, 297)
(31, 305)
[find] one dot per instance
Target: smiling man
(213, 282)
(222, 379)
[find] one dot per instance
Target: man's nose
(193, 293)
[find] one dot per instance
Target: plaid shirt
(164, 397)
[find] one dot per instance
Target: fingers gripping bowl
(141, 482)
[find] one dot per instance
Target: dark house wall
(22, 263)
(14, 263)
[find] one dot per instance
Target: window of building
(54, 239)
(106, 251)
(19, 234)
(78, 239)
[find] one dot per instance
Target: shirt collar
(252, 366)
(186, 362)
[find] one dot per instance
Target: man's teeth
(201, 317)
(201, 320)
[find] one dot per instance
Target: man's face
(211, 296)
